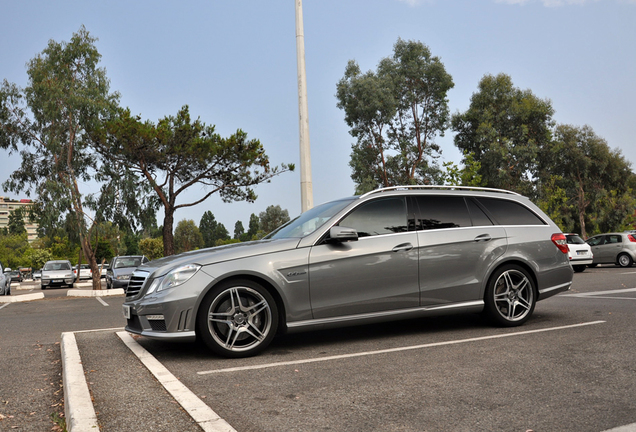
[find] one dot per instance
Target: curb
(21, 298)
(95, 293)
(78, 406)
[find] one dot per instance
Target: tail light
(631, 238)
(560, 242)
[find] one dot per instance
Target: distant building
(7, 206)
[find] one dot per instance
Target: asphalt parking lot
(570, 368)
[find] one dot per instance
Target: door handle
(483, 237)
(403, 247)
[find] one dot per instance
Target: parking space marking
(198, 410)
(4, 305)
(603, 294)
(99, 299)
(393, 350)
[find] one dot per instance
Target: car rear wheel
(237, 319)
(510, 296)
(625, 260)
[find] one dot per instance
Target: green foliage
(178, 153)
(16, 222)
(504, 128)
(466, 176)
(211, 230)
(151, 247)
(273, 217)
(37, 258)
(14, 250)
(239, 230)
(187, 236)
(597, 181)
(395, 115)
(66, 99)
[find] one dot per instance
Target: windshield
(574, 239)
(57, 266)
(309, 221)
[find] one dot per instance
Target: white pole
(306, 188)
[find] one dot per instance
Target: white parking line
(99, 299)
(393, 350)
(198, 410)
(602, 294)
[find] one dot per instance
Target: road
(570, 368)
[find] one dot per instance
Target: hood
(219, 254)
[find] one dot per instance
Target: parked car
(580, 252)
(85, 271)
(5, 280)
(120, 269)
(37, 275)
(57, 273)
(613, 248)
(16, 276)
(394, 253)
(103, 270)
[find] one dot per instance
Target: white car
(85, 272)
(580, 252)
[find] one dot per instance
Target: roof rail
(409, 187)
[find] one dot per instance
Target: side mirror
(342, 234)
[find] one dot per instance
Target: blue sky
(234, 64)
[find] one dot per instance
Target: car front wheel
(237, 319)
(579, 268)
(625, 260)
(510, 296)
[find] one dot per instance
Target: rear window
(435, 212)
(506, 212)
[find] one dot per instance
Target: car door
(376, 273)
(595, 244)
(612, 247)
(457, 245)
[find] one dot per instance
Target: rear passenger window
(383, 216)
(477, 214)
(435, 212)
(507, 212)
(614, 238)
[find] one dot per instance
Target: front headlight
(174, 278)
(123, 277)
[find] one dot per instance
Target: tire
(624, 260)
(579, 268)
(510, 296)
(237, 319)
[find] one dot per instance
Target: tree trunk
(168, 238)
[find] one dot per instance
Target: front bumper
(57, 282)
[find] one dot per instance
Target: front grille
(135, 283)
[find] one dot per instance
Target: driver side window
(382, 216)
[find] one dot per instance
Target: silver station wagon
(394, 253)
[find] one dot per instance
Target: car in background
(57, 273)
(120, 269)
(85, 272)
(613, 248)
(37, 275)
(580, 252)
(103, 270)
(5, 280)
(395, 253)
(16, 276)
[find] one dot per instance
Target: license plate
(57, 281)
(581, 253)
(126, 311)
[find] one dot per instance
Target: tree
(597, 182)
(239, 230)
(466, 176)
(16, 221)
(253, 227)
(66, 98)
(178, 153)
(151, 247)
(395, 114)
(504, 128)
(211, 230)
(187, 236)
(273, 217)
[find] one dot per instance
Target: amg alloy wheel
(510, 296)
(238, 319)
